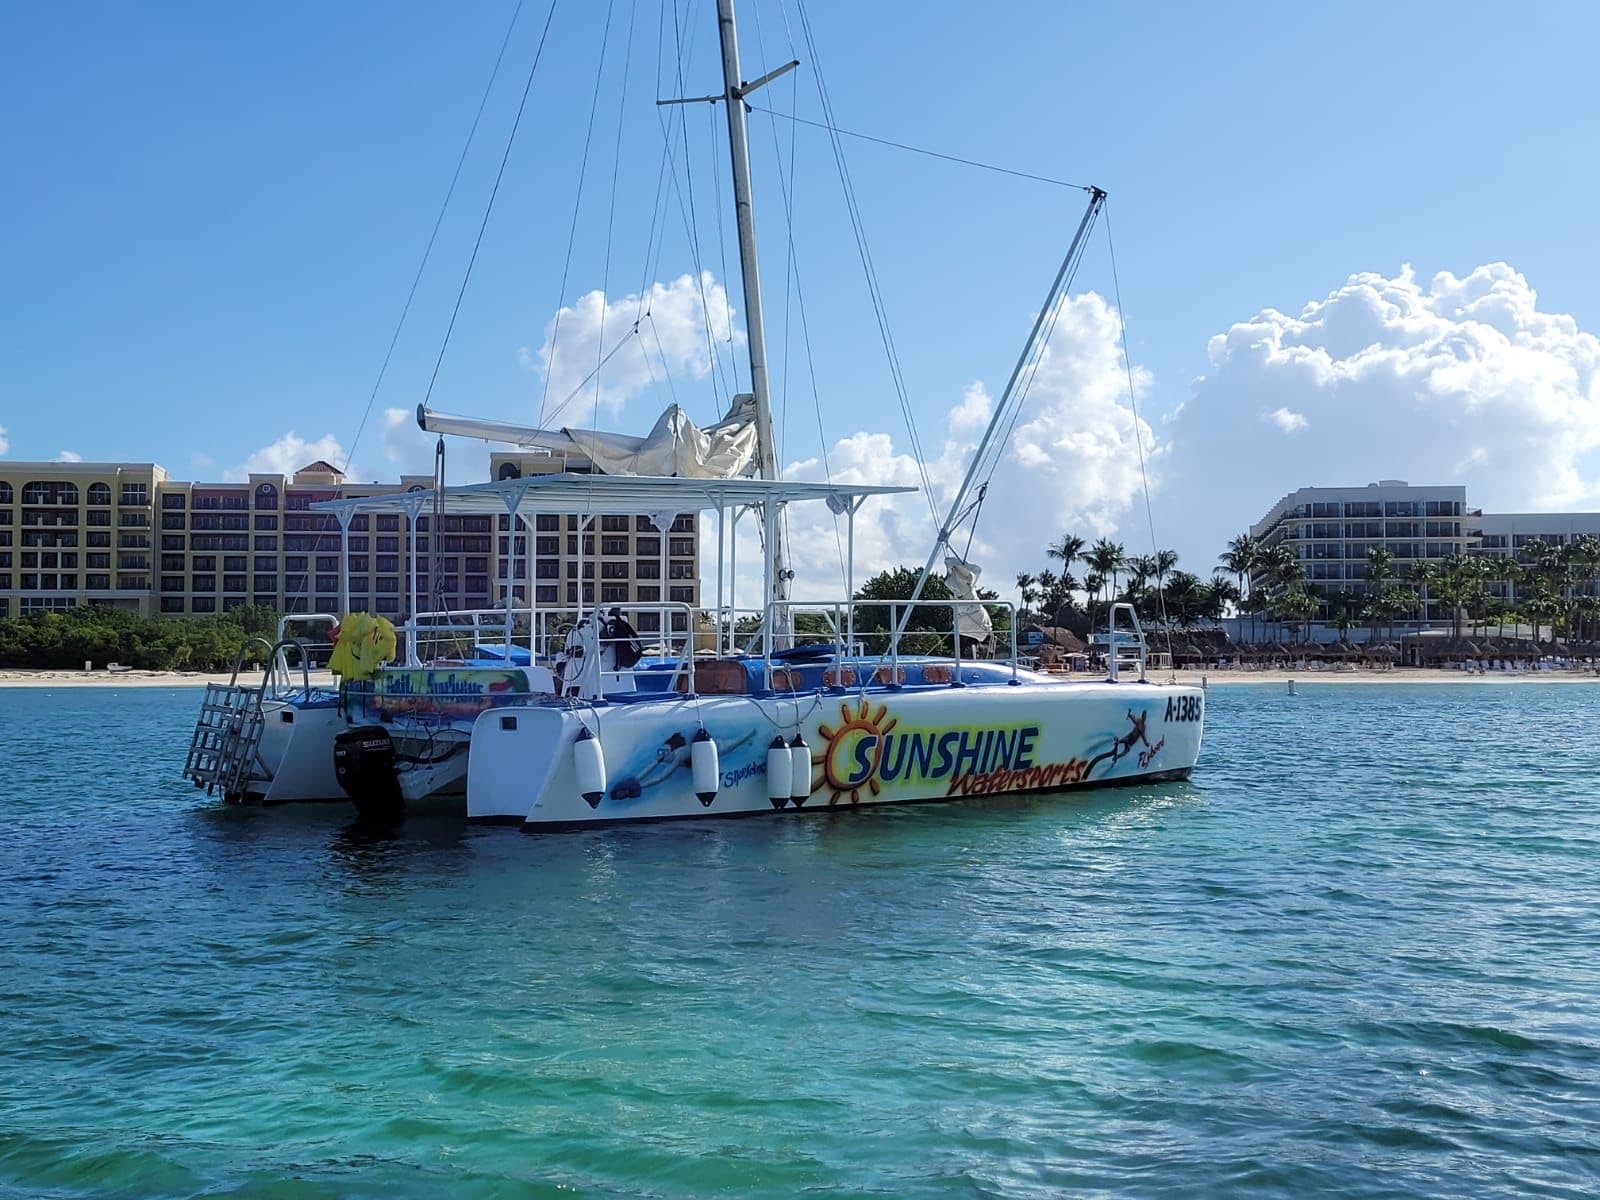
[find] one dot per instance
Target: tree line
(1550, 588)
(1554, 589)
(92, 633)
(1159, 591)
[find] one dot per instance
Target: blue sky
(213, 213)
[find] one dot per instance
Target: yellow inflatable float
(363, 644)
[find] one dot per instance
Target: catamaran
(750, 716)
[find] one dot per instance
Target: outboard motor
(364, 764)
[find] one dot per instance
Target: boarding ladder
(1125, 647)
(227, 734)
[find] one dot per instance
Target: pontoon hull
(880, 746)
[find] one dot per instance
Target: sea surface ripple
(1357, 956)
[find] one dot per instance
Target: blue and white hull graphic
(872, 746)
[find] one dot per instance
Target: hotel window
(389, 545)
(388, 583)
(327, 562)
(613, 545)
(388, 523)
(546, 593)
(684, 524)
(233, 583)
(204, 562)
(234, 563)
(650, 593)
(388, 562)
(50, 491)
(97, 583)
(327, 583)
(295, 562)
(135, 493)
(100, 494)
(204, 583)
(172, 604)
(358, 562)
(132, 583)
(613, 570)
(613, 524)
(205, 604)
(547, 568)
(477, 585)
(360, 585)
(647, 545)
(682, 547)
(613, 593)
(172, 541)
(682, 595)
(172, 583)
(547, 523)
(5, 493)
(265, 542)
(681, 571)
(266, 496)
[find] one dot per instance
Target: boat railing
(1125, 647)
(883, 637)
(455, 632)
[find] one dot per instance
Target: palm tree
(1106, 558)
(1242, 557)
(1420, 574)
(1220, 593)
(1067, 549)
(1378, 559)
(1028, 590)
(1182, 595)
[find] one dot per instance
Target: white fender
(799, 770)
(590, 763)
(704, 766)
(779, 772)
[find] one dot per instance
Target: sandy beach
(1362, 677)
(18, 677)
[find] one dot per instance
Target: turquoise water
(1359, 955)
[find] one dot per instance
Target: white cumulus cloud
(1286, 419)
(1456, 379)
(288, 454)
(1071, 464)
(674, 322)
(67, 456)
(5, 442)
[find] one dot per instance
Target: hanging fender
(779, 772)
(705, 768)
(590, 764)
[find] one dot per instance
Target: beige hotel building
(126, 536)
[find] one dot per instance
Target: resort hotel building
(126, 536)
(1331, 529)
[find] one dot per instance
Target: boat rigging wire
(786, 188)
(488, 208)
(611, 214)
(868, 268)
(433, 236)
(955, 158)
(1138, 438)
(577, 207)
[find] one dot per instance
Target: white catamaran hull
(879, 747)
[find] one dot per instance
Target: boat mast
(734, 92)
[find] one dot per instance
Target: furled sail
(972, 620)
(675, 445)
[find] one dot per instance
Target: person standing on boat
(620, 647)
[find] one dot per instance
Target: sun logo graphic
(853, 753)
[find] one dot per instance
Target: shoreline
(26, 677)
(18, 677)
